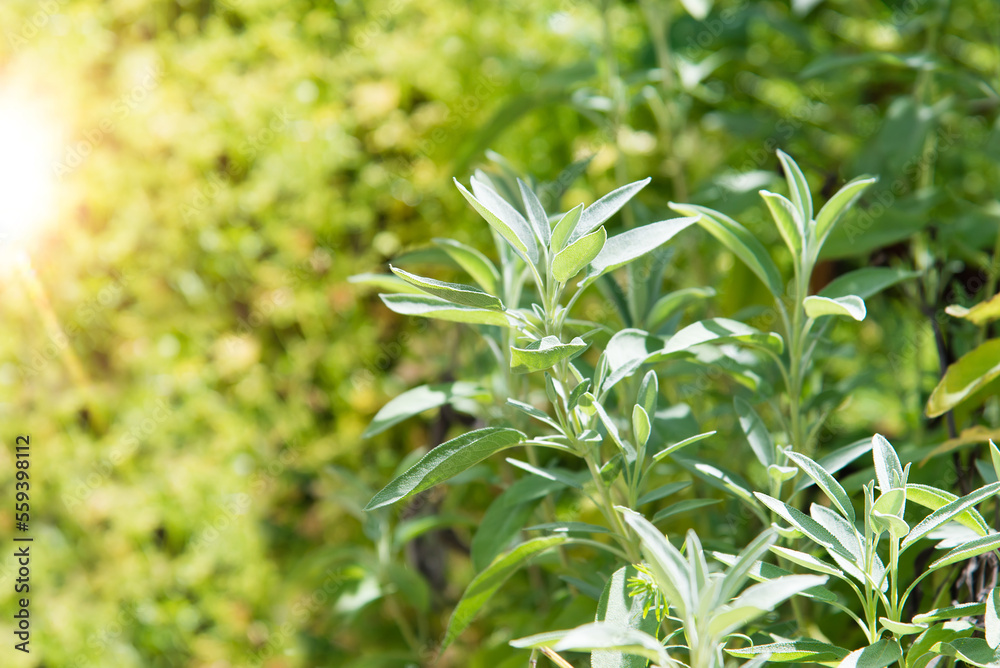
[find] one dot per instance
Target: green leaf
(995, 457)
(569, 527)
(992, 618)
(948, 512)
(640, 425)
(457, 293)
(683, 507)
(486, 583)
(626, 351)
(698, 9)
(933, 498)
(981, 314)
(445, 461)
(668, 567)
(879, 655)
(569, 261)
(743, 564)
(385, 282)
(623, 248)
(866, 282)
(807, 525)
(662, 492)
(681, 444)
(600, 636)
(798, 187)
(716, 331)
(973, 651)
(607, 206)
(649, 390)
(887, 467)
(544, 354)
(838, 459)
(671, 303)
(506, 517)
(799, 651)
(967, 550)
(473, 262)
(563, 230)
(850, 306)
(720, 479)
(918, 653)
(787, 219)
(951, 612)
(618, 607)
(971, 372)
(419, 399)
(536, 213)
(835, 207)
(425, 306)
(807, 561)
(739, 241)
(892, 524)
(514, 229)
(758, 600)
(755, 431)
(826, 482)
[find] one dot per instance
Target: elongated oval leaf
(426, 306)
(787, 219)
(544, 354)
(879, 655)
(627, 350)
(571, 260)
(992, 618)
(419, 399)
(456, 293)
(623, 248)
(669, 304)
(948, 512)
(951, 612)
(755, 431)
(484, 585)
(887, 467)
(716, 331)
(835, 207)
(620, 608)
(850, 306)
(536, 213)
(973, 651)
(807, 525)
(804, 651)
(826, 482)
(933, 498)
(739, 241)
(445, 461)
(970, 373)
(475, 264)
(760, 599)
(900, 629)
(607, 206)
(668, 567)
(385, 282)
(600, 636)
(866, 282)
(563, 230)
(516, 232)
(798, 186)
(807, 561)
(967, 550)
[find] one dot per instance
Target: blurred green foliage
(229, 163)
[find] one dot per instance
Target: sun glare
(29, 147)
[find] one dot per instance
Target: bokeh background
(223, 166)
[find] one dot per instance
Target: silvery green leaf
(799, 651)
(419, 399)
(992, 618)
(866, 282)
(716, 331)
(475, 264)
(681, 444)
(426, 306)
(951, 612)
(671, 303)
(617, 606)
(445, 461)
(536, 213)
(510, 224)
(934, 498)
(883, 653)
(755, 431)
(544, 354)
(807, 561)
(787, 219)
(886, 463)
(900, 629)
(456, 293)
(640, 425)
(805, 524)
(568, 262)
(826, 482)
(563, 230)
(967, 550)
(385, 282)
(667, 565)
(758, 600)
(835, 207)
(948, 512)
(739, 241)
(600, 636)
(626, 351)
(973, 651)
(623, 248)
(607, 206)
(649, 390)
(850, 306)
(798, 186)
